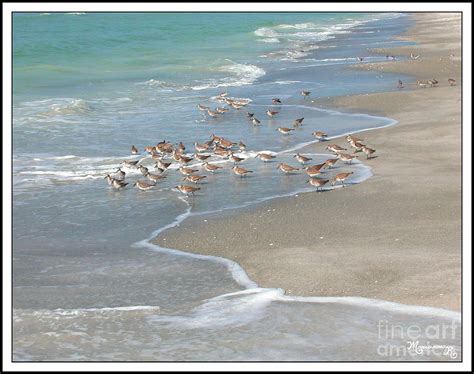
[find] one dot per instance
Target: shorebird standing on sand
(314, 170)
(400, 84)
(341, 177)
(329, 163)
(346, 158)
(302, 159)
(320, 135)
(351, 137)
(187, 189)
(287, 169)
(368, 151)
(284, 130)
(318, 183)
(335, 148)
(240, 171)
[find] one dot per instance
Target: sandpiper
(134, 150)
(235, 158)
(144, 186)
(368, 151)
(223, 153)
(143, 169)
(154, 177)
(341, 177)
(314, 170)
(287, 169)
(212, 113)
(211, 168)
(271, 113)
(329, 163)
(284, 130)
(318, 183)
(276, 100)
(187, 189)
(414, 57)
(335, 148)
(201, 156)
(423, 84)
(452, 81)
(130, 163)
(185, 160)
(225, 143)
(242, 146)
(302, 159)
(187, 171)
(236, 105)
(400, 84)
(201, 147)
(162, 164)
(298, 122)
(352, 137)
(240, 171)
(203, 108)
(305, 94)
(320, 135)
(357, 145)
(255, 121)
(346, 158)
(118, 185)
(194, 178)
(265, 157)
(221, 110)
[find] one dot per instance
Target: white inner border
(8, 8)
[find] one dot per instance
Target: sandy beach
(396, 236)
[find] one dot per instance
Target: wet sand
(396, 236)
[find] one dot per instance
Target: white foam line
(238, 273)
(378, 304)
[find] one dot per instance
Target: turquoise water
(88, 285)
(57, 51)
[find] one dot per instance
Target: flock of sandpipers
(193, 166)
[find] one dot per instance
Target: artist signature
(437, 349)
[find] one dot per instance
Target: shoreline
(323, 244)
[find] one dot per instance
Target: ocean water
(87, 282)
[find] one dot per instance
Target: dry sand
(396, 236)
